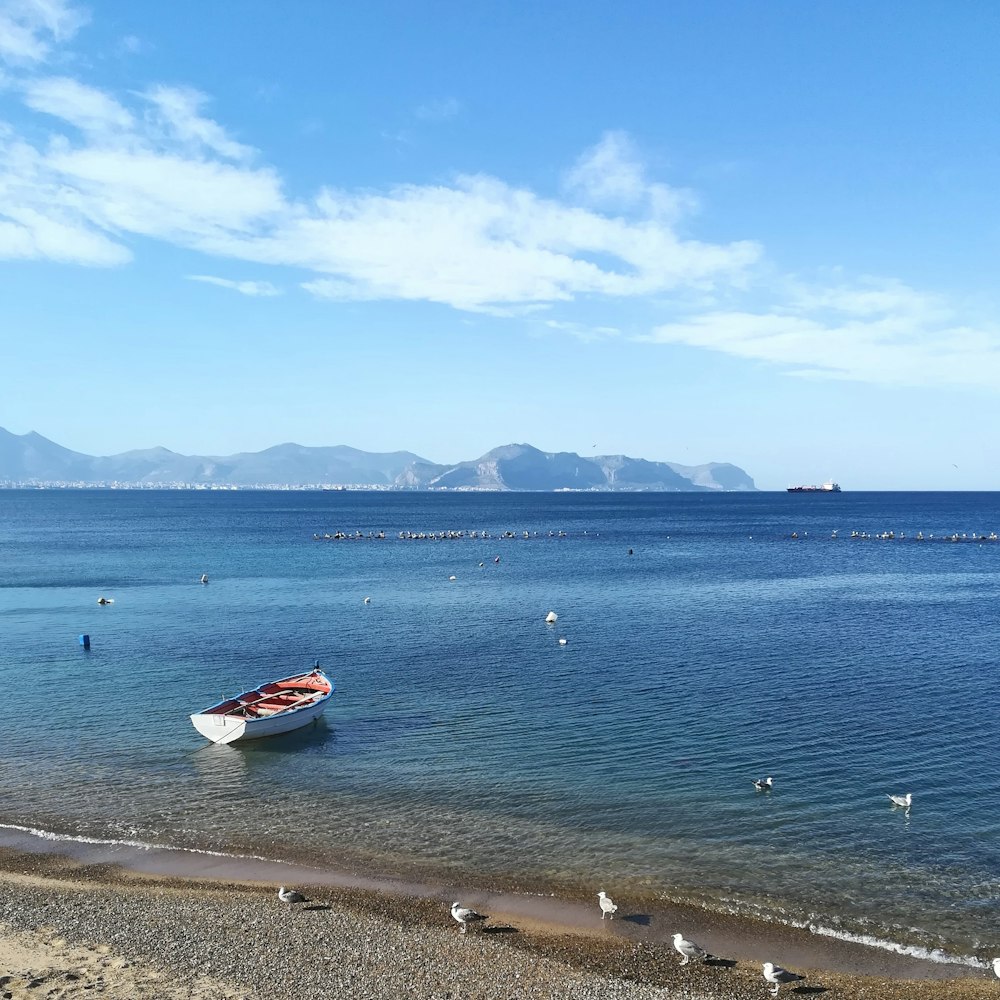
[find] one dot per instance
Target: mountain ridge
(31, 459)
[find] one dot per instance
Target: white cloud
(884, 333)
(475, 244)
(152, 164)
(254, 288)
(28, 28)
(30, 235)
(40, 218)
(177, 113)
(85, 107)
(612, 174)
(152, 174)
(193, 203)
(480, 243)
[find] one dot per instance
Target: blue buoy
(85, 641)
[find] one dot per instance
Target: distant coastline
(30, 461)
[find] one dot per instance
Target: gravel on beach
(69, 931)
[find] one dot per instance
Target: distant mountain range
(33, 459)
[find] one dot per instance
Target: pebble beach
(76, 930)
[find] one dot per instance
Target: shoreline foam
(647, 922)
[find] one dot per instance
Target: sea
(843, 644)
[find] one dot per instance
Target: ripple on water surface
(464, 737)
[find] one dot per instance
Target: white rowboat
(269, 710)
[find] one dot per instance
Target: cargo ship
(830, 487)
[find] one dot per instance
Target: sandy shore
(82, 930)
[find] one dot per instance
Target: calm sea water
(464, 738)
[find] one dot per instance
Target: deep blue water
(464, 738)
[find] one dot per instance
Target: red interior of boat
(275, 697)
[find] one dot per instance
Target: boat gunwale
(212, 710)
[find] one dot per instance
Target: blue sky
(764, 233)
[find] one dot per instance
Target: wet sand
(84, 927)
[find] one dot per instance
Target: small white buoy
(562, 642)
(452, 577)
(551, 617)
(368, 600)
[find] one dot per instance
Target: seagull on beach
(777, 975)
(901, 800)
(608, 905)
(763, 784)
(689, 949)
(465, 916)
(291, 896)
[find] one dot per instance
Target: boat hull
(221, 726)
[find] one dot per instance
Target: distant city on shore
(30, 460)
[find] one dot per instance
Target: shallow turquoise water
(463, 737)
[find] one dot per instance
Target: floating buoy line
(434, 536)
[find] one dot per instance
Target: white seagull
(763, 784)
(777, 975)
(996, 967)
(465, 916)
(608, 905)
(689, 949)
(291, 896)
(901, 800)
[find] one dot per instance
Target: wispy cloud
(129, 45)
(254, 288)
(154, 164)
(438, 111)
(108, 167)
(480, 242)
(85, 107)
(177, 112)
(29, 28)
(880, 332)
(612, 174)
(582, 331)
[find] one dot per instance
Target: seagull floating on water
(777, 975)
(763, 784)
(901, 800)
(608, 905)
(465, 916)
(689, 949)
(291, 896)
